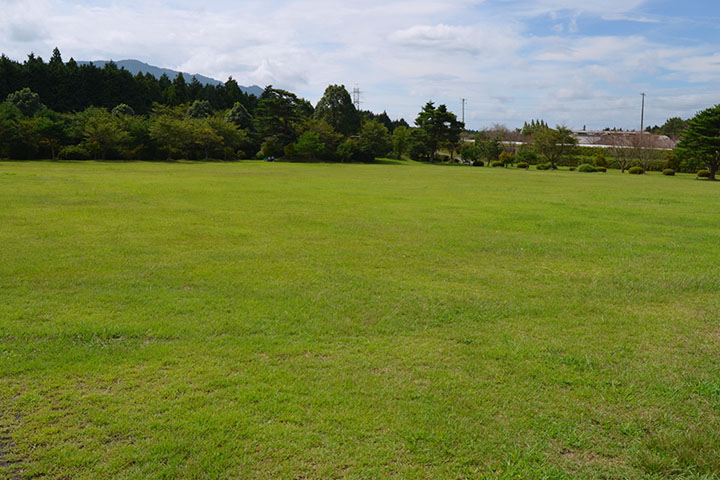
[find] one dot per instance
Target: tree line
(278, 124)
(63, 110)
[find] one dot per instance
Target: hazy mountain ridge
(135, 66)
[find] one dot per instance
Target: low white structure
(609, 138)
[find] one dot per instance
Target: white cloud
(401, 53)
(589, 49)
(444, 38)
(551, 7)
(628, 18)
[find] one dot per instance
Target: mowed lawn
(259, 320)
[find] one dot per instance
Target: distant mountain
(135, 66)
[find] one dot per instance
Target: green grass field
(258, 320)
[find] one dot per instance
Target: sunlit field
(395, 320)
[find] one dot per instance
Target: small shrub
(526, 155)
(600, 161)
(543, 166)
(703, 174)
(497, 163)
(507, 158)
(636, 170)
(601, 169)
(572, 169)
(587, 168)
(669, 172)
(672, 161)
(478, 163)
(523, 165)
(73, 152)
(470, 154)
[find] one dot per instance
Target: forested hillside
(67, 86)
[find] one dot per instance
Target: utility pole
(642, 115)
(463, 109)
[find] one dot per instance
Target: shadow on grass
(389, 161)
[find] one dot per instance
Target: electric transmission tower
(356, 97)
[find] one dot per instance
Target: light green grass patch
(270, 320)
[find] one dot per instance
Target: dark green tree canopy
(278, 114)
(10, 133)
(441, 126)
(701, 140)
(337, 109)
(68, 87)
(239, 116)
(418, 148)
(673, 127)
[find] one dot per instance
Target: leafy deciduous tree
(309, 145)
(233, 138)
(327, 135)
(400, 139)
(374, 140)
(27, 101)
(50, 130)
(9, 128)
(204, 138)
(348, 150)
(621, 149)
(171, 134)
(102, 133)
(554, 143)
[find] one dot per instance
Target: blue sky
(569, 62)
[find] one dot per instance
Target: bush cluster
(636, 170)
(600, 168)
(669, 172)
(497, 163)
(587, 168)
(524, 165)
(543, 166)
(703, 173)
(73, 152)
